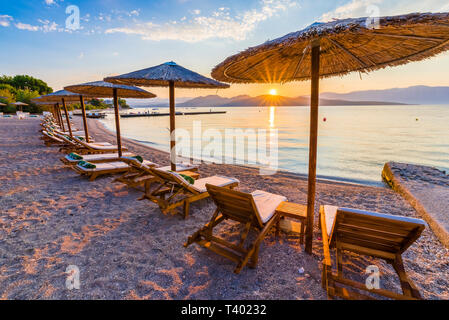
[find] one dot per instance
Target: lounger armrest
(325, 239)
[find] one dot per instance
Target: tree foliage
(25, 82)
(122, 103)
(98, 103)
(5, 95)
(22, 88)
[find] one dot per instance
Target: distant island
(416, 95)
(411, 95)
(271, 100)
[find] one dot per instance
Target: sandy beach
(127, 249)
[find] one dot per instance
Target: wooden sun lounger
(173, 190)
(367, 233)
(104, 168)
(82, 147)
(140, 174)
(95, 158)
(75, 133)
(56, 128)
(52, 140)
(71, 145)
(255, 210)
(98, 147)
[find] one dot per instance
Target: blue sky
(122, 36)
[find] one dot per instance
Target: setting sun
(273, 92)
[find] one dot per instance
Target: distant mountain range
(269, 100)
(410, 95)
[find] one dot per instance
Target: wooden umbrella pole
(83, 110)
(172, 126)
(55, 115)
(60, 116)
(67, 117)
(313, 143)
(117, 123)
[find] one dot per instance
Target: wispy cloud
(50, 2)
(219, 24)
(25, 26)
(5, 20)
(134, 13)
(361, 8)
(48, 26)
(45, 26)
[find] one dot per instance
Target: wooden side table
(293, 211)
(194, 175)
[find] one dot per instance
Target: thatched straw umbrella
(20, 105)
(170, 75)
(68, 97)
(52, 109)
(334, 49)
(108, 90)
(64, 97)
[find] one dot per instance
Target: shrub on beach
(92, 104)
(122, 103)
(26, 82)
(22, 88)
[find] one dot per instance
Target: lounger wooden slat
(367, 233)
(104, 168)
(141, 175)
(242, 208)
(82, 147)
(181, 192)
(51, 140)
(94, 158)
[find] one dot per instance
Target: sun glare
(273, 92)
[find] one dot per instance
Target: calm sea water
(353, 145)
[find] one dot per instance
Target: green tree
(6, 96)
(27, 82)
(122, 104)
(98, 104)
(25, 96)
(9, 88)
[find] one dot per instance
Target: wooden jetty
(134, 115)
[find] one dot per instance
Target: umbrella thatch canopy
(346, 45)
(163, 74)
(335, 49)
(57, 96)
(172, 75)
(107, 90)
(20, 104)
(60, 96)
